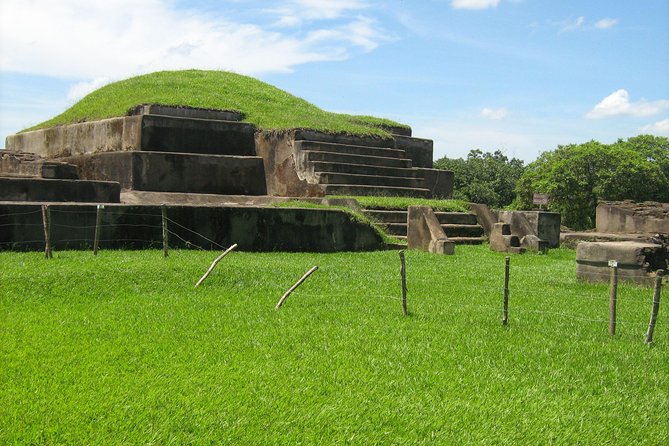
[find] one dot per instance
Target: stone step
(445, 218)
(349, 148)
(346, 158)
(362, 169)
(51, 190)
(177, 172)
(420, 150)
(467, 240)
(187, 112)
(362, 190)
(373, 180)
(344, 138)
(462, 230)
(202, 136)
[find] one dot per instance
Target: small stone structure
(425, 232)
(501, 239)
(628, 217)
(637, 262)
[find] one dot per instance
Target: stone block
(627, 217)
(419, 150)
(636, 261)
(438, 182)
(545, 225)
(186, 112)
(485, 217)
(424, 232)
(501, 239)
(47, 190)
(177, 172)
(533, 243)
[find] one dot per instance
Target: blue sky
(518, 75)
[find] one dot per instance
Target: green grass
(121, 349)
(404, 202)
(262, 104)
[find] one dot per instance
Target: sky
(520, 76)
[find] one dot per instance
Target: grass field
(121, 349)
(264, 105)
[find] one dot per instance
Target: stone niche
(637, 262)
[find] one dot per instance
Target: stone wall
(628, 217)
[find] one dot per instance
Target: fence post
(505, 312)
(291, 289)
(403, 274)
(46, 222)
(613, 265)
(98, 220)
(656, 306)
(163, 212)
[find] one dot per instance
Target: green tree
(484, 177)
(577, 176)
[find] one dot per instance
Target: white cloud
(295, 12)
(606, 23)
(573, 25)
(618, 103)
(81, 39)
(660, 127)
(81, 89)
(492, 113)
(474, 4)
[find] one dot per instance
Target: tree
(576, 177)
(484, 177)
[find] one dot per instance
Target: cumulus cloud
(494, 113)
(81, 89)
(81, 39)
(606, 23)
(474, 4)
(295, 12)
(618, 103)
(660, 127)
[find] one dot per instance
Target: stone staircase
(348, 165)
(460, 227)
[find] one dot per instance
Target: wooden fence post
(613, 265)
(98, 220)
(656, 306)
(46, 222)
(403, 275)
(163, 212)
(291, 289)
(505, 311)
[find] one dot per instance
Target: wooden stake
(98, 220)
(298, 283)
(213, 265)
(505, 311)
(656, 306)
(163, 212)
(613, 296)
(403, 274)
(46, 222)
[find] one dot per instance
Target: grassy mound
(265, 106)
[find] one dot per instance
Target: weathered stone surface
(636, 261)
(177, 172)
(545, 225)
(572, 239)
(186, 112)
(40, 189)
(486, 218)
(32, 165)
(627, 217)
(168, 134)
(76, 139)
(425, 233)
(418, 150)
(252, 228)
(501, 239)
(438, 182)
(533, 243)
(342, 138)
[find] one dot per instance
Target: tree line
(575, 176)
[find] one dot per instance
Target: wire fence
(115, 227)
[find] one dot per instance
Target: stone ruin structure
(519, 231)
(635, 235)
(197, 161)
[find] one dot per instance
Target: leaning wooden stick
(298, 283)
(98, 220)
(46, 222)
(403, 276)
(656, 306)
(213, 265)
